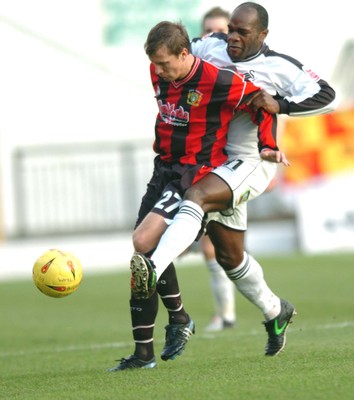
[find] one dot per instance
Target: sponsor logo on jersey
(172, 116)
(312, 74)
(249, 76)
(194, 97)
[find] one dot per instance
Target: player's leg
(180, 326)
(144, 311)
(220, 190)
(210, 193)
(223, 189)
(248, 277)
(143, 315)
(227, 234)
(147, 235)
(242, 268)
(222, 289)
(145, 238)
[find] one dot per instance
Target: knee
(197, 195)
(229, 260)
(141, 242)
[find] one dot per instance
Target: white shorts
(247, 180)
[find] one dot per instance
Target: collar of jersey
(181, 82)
(261, 51)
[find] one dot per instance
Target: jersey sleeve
(267, 130)
(300, 91)
(322, 102)
(266, 122)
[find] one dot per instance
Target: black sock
(143, 314)
(169, 292)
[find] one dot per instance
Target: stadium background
(76, 129)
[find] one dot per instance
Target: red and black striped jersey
(195, 112)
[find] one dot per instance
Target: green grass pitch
(61, 348)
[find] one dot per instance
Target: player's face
(244, 37)
(169, 66)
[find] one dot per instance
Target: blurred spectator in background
(215, 20)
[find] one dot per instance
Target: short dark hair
(216, 12)
(261, 12)
(173, 35)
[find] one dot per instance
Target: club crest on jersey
(194, 97)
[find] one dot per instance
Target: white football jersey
(298, 90)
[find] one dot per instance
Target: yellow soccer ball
(57, 273)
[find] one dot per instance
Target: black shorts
(166, 188)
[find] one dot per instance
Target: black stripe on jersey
(271, 53)
(157, 146)
(221, 90)
(260, 119)
(178, 142)
(163, 94)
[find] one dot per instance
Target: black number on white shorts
(234, 164)
(173, 200)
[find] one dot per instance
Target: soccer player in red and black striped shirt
(196, 102)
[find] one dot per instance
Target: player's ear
(184, 53)
(263, 34)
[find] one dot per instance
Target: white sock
(223, 291)
(248, 278)
(178, 236)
